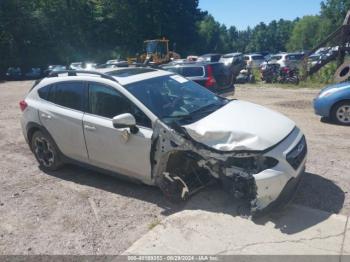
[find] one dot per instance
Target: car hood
(241, 125)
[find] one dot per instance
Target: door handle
(89, 128)
(46, 116)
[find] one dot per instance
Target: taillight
(211, 82)
(23, 105)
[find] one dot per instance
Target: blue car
(334, 102)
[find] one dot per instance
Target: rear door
(223, 75)
(61, 113)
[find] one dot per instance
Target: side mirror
(125, 121)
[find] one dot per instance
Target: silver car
(162, 129)
(254, 60)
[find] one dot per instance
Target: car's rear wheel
(341, 113)
(46, 152)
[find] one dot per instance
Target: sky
(244, 13)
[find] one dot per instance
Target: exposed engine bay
(181, 166)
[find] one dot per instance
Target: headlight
(327, 93)
(252, 164)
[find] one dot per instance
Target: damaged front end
(181, 166)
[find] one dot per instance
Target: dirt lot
(77, 211)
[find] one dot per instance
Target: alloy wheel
(44, 151)
(343, 114)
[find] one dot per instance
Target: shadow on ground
(314, 191)
(320, 193)
(329, 121)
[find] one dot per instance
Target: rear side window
(276, 57)
(44, 92)
(295, 57)
(192, 71)
(69, 95)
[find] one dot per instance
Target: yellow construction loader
(156, 53)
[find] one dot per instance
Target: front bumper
(322, 107)
(278, 184)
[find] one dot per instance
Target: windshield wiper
(178, 116)
(207, 108)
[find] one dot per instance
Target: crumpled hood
(241, 125)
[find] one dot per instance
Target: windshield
(276, 57)
(174, 98)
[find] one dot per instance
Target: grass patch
(154, 224)
(303, 84)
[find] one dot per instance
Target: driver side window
(107, 102)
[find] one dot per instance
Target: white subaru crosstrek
(162, 129)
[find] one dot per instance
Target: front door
(115, 149)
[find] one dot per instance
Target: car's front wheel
(46, 151)
(341, 113)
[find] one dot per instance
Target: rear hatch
(222, 74)
(211, 75)
(194, 72)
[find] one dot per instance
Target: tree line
(42, 32)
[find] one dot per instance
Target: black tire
(293, 80)
(46, 152)
(339, 115)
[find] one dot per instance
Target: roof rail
(75, 72)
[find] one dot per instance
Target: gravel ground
(78, 211)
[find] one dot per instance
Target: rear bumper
(231, 89)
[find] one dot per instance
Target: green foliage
(325, 75)
(41, 32)
(305, 34)
(270, 37)
(335, 11)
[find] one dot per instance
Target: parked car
(76, 66)
(89, 66)
(291, 60)
(334, 102)
(235, 62)
(209, 58)
(54, 68)
(192, 58)
(214, 76)
(112, 65)
(34, 73)
(118, 62)
(14, 73)
(253, 60)
(178, 61)
(162, 129)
